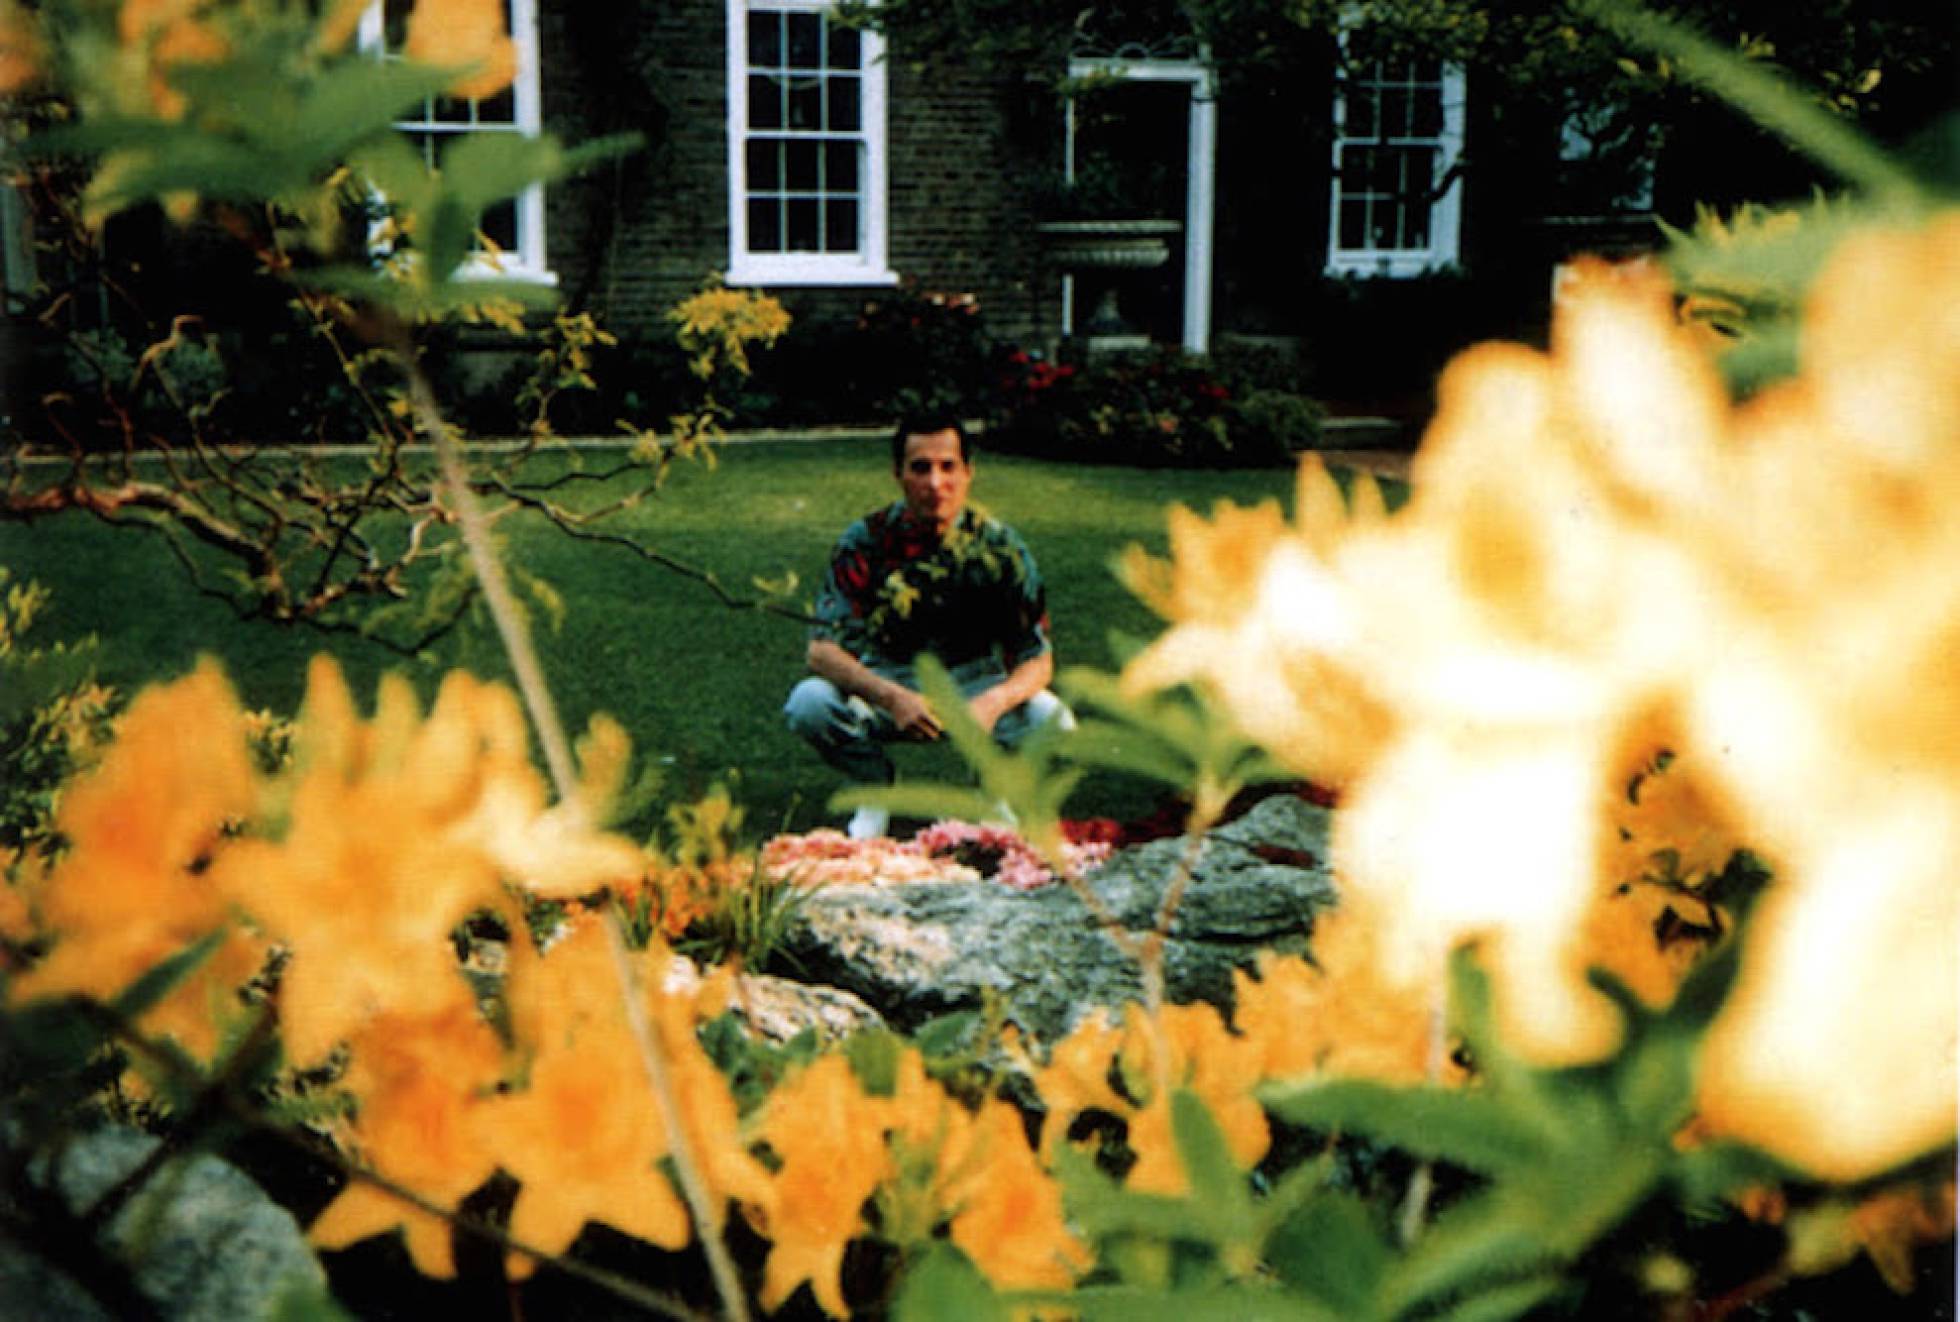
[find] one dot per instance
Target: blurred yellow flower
(164, 33)
(1007, 1210)
(584, 1134)
(395, 831)
(421, 1084)
(1603, 553)
(21, 49)
(464, 32)
(133, 889)
(1181, 1047)
(830, 1139)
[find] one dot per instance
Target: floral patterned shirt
(896, 589)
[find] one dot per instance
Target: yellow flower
(1009, 1218)
(1260, 618)
(1182, 1047)
(1076, 1077)
(1603, 553)
(133, 888)
(421, 1083)
(21, 51)
(464, 32)
(830, 1139)
(395, 831)
(167, 33)
(584, 1135)
(1338, 1015)
(1836, 706)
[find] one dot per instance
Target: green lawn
(697, 684)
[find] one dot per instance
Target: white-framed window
(1395, 203)
(806, 147)
(514, 228)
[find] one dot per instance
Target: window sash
(1398, 127)
(806, 159)
(515, 226)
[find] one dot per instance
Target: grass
(698, 685)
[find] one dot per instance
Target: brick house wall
(631, 238)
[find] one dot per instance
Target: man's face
(934, 477)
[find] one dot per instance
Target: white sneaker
(868, 823)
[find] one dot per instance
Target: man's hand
(914, 716)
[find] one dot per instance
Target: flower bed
(946, 851)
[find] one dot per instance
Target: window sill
(485, 269)
(1387, 265)
(795, 271)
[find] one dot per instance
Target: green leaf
(361, 99)
(1489, 1239)
(948, 1034)
(1501, 1303)
(874, 1058)
(1106, 1211)
(1474, 1130)
(1332, 1250)
(162, 979)
(943, 1285)
(1218, 1187)
(1220, 1302)
(1707, 1174)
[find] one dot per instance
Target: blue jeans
(850, 733)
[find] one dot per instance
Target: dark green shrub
(1158, 406)
(1279, 421)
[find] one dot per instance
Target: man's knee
(813, 707)
(1044, 708)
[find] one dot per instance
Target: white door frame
(1200, 182)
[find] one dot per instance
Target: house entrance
(1136, 245)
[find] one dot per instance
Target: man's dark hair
(925, 424)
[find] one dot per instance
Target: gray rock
(920, 950)
(779, 1009)
(200, 1239)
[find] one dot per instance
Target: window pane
(765, 39)
(806, 103)
(1360, 170)
(840, 167)
(1426, 117)
(394, 23)
(1362, 117)
(844, 50)
(1354, 219)
(1418, 170)
(802, 215)
(844, 113)
(840, 225)
(499, 109)
(765, 225)
(765, 102)
(500, 224)
(765, 165)
(805, 41)
(1398, 112)
(802, 171)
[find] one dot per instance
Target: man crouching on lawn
(927, 573)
